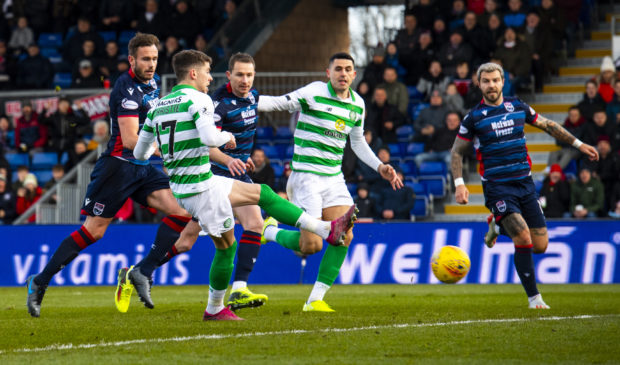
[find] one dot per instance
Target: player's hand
(231, 144)
(249, 165)
(589, 151)
(387, 172)
(236, 167)
(461, 195)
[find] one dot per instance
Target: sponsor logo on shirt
(129, 104)
(340, 125)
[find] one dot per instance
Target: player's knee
(184, 246)
(540, 247)
(255, 225)
(523, 239)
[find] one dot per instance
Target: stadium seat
(271, 152)
(124, 37)
(44, 160)
(435, 185)
(43, 176)
(281, 150)
(264, 135)
(395, 150)
(289, 152)
(50, 40)
(278, 169)
(571, 170)
(109, 35)
(433, 169)
(352, 187)
(414, 94)
(404, 133)
(64, 158)
(62, 80)
(409, 168)
(421, 207)
(17, 159)
(52, 54)
(413, 149)
(284, 135)
(418, 108)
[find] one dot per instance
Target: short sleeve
(129, 102)
(466, 130)
(530, 113)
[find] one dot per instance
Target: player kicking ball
(183, 126)
(496, 129)
(328, 113)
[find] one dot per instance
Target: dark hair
(341, 56)
(58, 167)
(142, 40)
(22, 168)
(592, 82)
(183, 61)
(454, 112)
(574, 107)
(240, 57)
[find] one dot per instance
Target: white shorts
(313, 193)
(212, 207)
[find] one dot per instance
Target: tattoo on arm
(460, 148)
(554, 129)
(514, 224)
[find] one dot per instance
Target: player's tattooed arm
(554, 129)
(460, 148)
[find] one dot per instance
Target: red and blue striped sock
(247, 253)
(167, 234)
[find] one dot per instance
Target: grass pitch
(373, 324)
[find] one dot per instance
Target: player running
(329, 112)
(496, 128)
(118, 175)
(182, 123)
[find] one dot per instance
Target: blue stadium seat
(421, 207)
(125, 36)
(289, 152)
(17, 159)
(44, 160)
(433, 169)
(409, 168)
(414, 94)
(109, 35)
(282, 148)
(571, 170)
(404, 133)
(62, 80)
(352, 187)
(395, 150)
(284, 134)
(43, 176)
(278, 169)
(64, 158)
(435, 185)
(413, 149)
(52, 54)
(271, 152)
(50, 40)
(418, 108)
(264, 135)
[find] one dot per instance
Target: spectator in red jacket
(606, 79)
(28, 195)
(30, 135)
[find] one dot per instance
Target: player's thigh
(250, 217)
(164, 201)
(332, 213)
(516, 228)
(97, 226)
(242, 193)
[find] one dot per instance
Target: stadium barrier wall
(579, 252)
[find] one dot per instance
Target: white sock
(271, 232)
(318, 292)
(216, 300)
(531, 299)
(239, 284)
(314, 225)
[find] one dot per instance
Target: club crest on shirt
(340, 124)
(509, 107)
(98, 208)
(501, 206)
(353, 116)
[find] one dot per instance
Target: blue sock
(247, 252)
(524, 263)
(167, 234)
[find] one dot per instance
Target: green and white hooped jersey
(173, 121)
(324, 123)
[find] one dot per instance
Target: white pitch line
(70, 346)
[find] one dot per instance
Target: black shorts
(519, 196)
(114, 180)
(225, 173)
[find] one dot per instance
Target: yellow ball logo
(340, 124)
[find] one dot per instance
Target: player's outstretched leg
(69, 248)
(285, 238)
(288, 213)
(219, 277)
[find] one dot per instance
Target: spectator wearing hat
(86, 79)
(516, 58)
(516, 14)
(397, 93)
(8, 202)
(34, 71)
(365, 203)
(606, 79)
(373, 73)
(554, 196)
(607, 168)
(28, 195)
(592, 101)
(382, 117)
(433, 79)
(455, 52)
(540, 43)
(587, 195)
(30, 133)
(599, 126)
(574, 124)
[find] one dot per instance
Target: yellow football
(450, 264)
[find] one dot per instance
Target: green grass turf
(86, 315)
